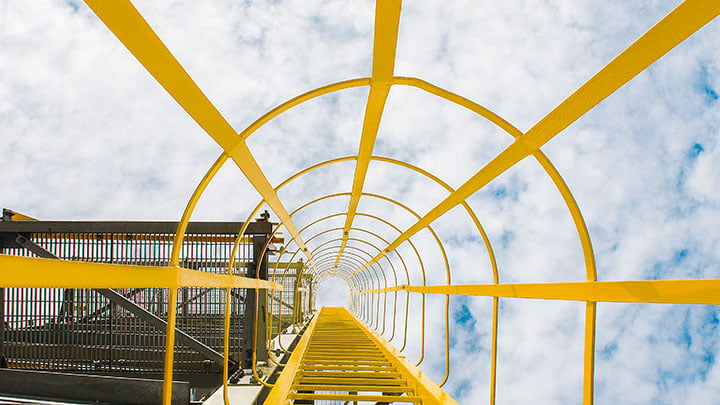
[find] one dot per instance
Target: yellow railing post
(170, 345)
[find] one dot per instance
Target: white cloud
(332, 292)
(87, 133)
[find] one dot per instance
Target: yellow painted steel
(687, 18)
(435, 236)
(695, 291)
(422, 267)
(16, 216)
(589, 354)
(318, 257)
(33, 272)
(133, 31)
(412, 245)
(347, 84)
(387, 21)
(170, 344)
(187, 214)
(37, 273)
(486, 113)
(321, 363)
(340, 358)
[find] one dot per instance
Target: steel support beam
(255, 327)
(281, 302)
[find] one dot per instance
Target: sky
(88, 134)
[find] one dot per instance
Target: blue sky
(88, 134)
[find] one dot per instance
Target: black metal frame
(107, 308)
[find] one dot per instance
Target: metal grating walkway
(339, 358)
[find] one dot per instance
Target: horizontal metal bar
(88, 388)
(333, 347)
(312, 357)
(354, 388)
(350, 380)
(325, 350)
(350, 374)
(347, 397)
(353, 368)
(694, 291)
(133, 227)
(51, 273)
(345, 362)
(347, 382)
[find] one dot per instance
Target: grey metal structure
(85, 388)
(121, 333)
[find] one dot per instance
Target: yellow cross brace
(121, 17)
(682, 22)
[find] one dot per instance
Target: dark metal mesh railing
(281, 304)
(80, 330)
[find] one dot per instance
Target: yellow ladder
(339, 358)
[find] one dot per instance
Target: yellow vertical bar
(447, 341)
(493, 355)
(589, 367)
(422, 331)
(226, 346)
(170, 345)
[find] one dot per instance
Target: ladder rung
(353, 388)
(345, 381)
(354, 368)
(355, 374)
(339, 359)
(347, 397)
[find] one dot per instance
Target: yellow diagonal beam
(387, 21)
(121, 17)
(31, 272)
(694, 291)
(682, 22)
